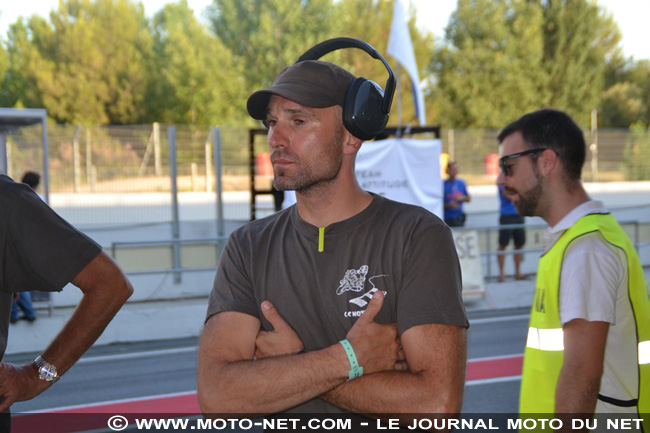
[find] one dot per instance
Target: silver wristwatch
(46, 371)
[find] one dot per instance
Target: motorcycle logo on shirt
(355, 280)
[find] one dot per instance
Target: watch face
(48, 372)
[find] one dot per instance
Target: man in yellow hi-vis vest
(588, 346)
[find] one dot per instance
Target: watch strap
(39, 362)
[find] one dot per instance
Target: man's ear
(351, 144)
(548, 162)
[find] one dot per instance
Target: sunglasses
(505, 168)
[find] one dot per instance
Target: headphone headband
(325, 47)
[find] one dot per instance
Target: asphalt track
(116, 380)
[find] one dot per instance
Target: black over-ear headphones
(367, 106)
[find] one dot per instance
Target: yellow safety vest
(544, 352)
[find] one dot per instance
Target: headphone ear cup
(362, 114)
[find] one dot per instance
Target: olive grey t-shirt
(403, 250)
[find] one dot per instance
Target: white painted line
(136, 355)
(499, 319)
(490, 381)
(492, 358)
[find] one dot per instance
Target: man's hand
(18, 383)
(283, 340)
(376, 346)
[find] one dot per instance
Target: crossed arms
(423, 372)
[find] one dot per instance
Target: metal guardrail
(487, 233)
(175, 244)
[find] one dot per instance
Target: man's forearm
(576, 393)
(228, 381)
(271, 385)
(582, 368)
(433, 383)
(105, 290)
(391, 392)
(93, 313)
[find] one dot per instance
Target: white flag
(401, 47)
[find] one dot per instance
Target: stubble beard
(319, 175)
(528, 202)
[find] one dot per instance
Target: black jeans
(458, 221)
(5, 422)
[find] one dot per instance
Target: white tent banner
(403, 170)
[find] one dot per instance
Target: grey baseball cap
(311, 83)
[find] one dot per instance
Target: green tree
(489, 71)
(640, 75)
(89, 64)
(267, 35)
(506, 57)
(196, 80)
(18, 90)
(4, 68)
(579, 36)
(637, 153)
(626, 100)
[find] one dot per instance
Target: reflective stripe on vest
(644, 352)
(552, 340)
(545, 339)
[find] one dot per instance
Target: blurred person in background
(23, 300)
(508, 215)
(455, 194)
(32, 179)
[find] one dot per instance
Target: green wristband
(355, 369)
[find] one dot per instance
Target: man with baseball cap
(344, 302)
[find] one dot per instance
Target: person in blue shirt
(455, 194)
(508, 215)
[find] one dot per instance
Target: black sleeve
(41, 250)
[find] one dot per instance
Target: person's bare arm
(432, 383)
(230, 381)
(105, 289)
(582, 369)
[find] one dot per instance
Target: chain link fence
(120, 166)
(97, 172)
(613, 155)
(125, 159)
(156, 206)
